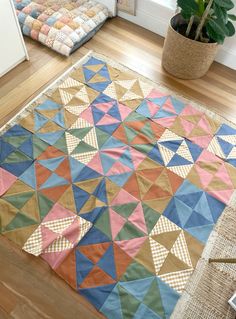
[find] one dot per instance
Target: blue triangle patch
(202, 233)
(99, 86)
(94, 236)
(80, 197)
(39, 121)
(112, 308)
(86, 173)
(107, 263)
(100, 191)
(52, 163)
(120, 179)
(98, 295)
(54, 180)
(138, 288)
(169, 297)
(59, 119)
(48, 105)
(29, 177)
(50, 138)
(27, 148)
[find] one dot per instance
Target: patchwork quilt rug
(117, 185)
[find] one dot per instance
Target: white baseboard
(155, 17)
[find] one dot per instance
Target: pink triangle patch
(58, 212)
(223, 196)
(124, 111)
(155, 94)
(56, 258)
(116, 223)
(209, 157)
(204, 176)
(131, 246)
(165, 121)
(137, 157)
(96, 164)
(137, 218)
(88, 115)
(107, 120)
(104, 107)
(72, 232)
(6, 180)
(223, 175)
(202, 141)
(123, 197)
(190, 110)
(48, 236)
(118, 168)
(187, 126)
(204, 124)
(153, 108)
(168, 106)
(115, 152)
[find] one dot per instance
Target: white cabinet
(12, 47)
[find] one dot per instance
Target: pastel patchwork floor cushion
(62, 25)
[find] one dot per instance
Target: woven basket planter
(185, 58)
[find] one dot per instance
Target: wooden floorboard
(28, 288)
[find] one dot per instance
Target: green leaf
(186, 15)
(232, 17)
(189, 6)
(227, 4)
(219, 27)
(213, 35)
(231, 29)
(221, 13)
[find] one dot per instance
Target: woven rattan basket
(185, 58)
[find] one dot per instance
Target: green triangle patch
(129, 304)
(103, 224)
(136, 271)
(154, 303)
(125, 210)
(19, 200)
(45, 205)
(20, 221)
(83, 148)
(129, 231)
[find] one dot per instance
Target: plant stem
(203, 19)
(190, 24)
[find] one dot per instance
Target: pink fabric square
(27, 10)
(155, 94)
(65, 19)
(43, 17)
(34, 34)
(45, 29)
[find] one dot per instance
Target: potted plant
(194, 36)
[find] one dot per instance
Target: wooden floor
(28, 288)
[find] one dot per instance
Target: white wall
(227, 55)
(154, 15)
